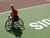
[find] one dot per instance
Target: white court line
(27, 8)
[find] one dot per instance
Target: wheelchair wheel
(21, 23)
(7, 25)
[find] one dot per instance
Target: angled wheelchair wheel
(7, 25)
(21, 23)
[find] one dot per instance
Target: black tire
(8, 21)
(20, 20)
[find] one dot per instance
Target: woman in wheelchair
(14, 14)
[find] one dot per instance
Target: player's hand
(8, 16)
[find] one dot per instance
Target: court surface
(28, 15)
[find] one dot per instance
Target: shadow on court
(17, 32)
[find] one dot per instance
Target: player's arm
(8, 16)
(12, 16)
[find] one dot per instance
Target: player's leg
(16, 18)
(11, 22)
